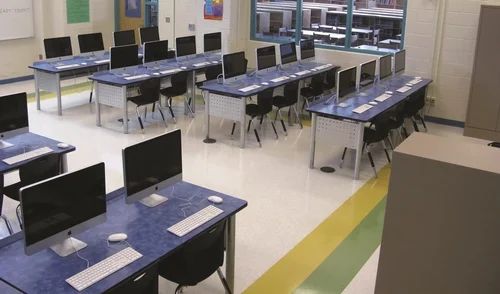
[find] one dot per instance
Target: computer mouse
(215, 62)
(293, 76)
(409, 85)
(265, 83)
(156, 73)
(118, 237)
(215, 199)
(372, 103)
(62, 145)
(84, 63)
(389, 92)
(183, 67)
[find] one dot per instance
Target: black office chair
(314, 89)
(289, 99)
(3, 217)
(178, 88)
(262, 109)
(211, 73)
(35, 171)
(396, 122)
(330, 80)
(149, 94)
(413, 106)
(197, 260)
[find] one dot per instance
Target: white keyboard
(415, 81)
(324, 66)
(280, 79)
(104, 268)
(130, 78)
(193, 221)
(383, 97)
(68, 66)
(249, 88)
(362, 108)
(301, 73)
(28, 155)
(101, 61)
(403, 89)
(169, 71)
(201, 64)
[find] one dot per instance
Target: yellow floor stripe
(67, 90)
(289, 272)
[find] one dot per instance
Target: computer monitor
(212, 42)
(56, 209)
(306, 49)
(151, 166)
(90, 42)
(385, 67)
(155, 51)
(346, 82)
(123, 56)
(399, 61)
(288, 53)
(13, 117)
(367, 76)
(149, 34)
(234, 66)
(185, 46)
(266, 58)
(57, 47)
(123, 38)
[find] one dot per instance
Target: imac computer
(55, 209)
(123, 56)
(385, 67)
(185, 46)
(288, 53)
(399, 61)
(155, 51)
(57, 47)
(307, 49)
(346, 82)
(367, 76)
(149, 34)
(234, 66)
(266, 58)
(90, 43)
(13, 117)
(151, 166)
(212, 42)
(123, 38)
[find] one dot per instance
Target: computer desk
(226, 101)
(46, 272)
(112, 89)
(347, 127)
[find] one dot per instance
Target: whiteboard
(16, 19)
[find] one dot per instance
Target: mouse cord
(78, 253)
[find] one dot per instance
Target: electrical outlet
(431, 100)
(191, 27)
(167, 19)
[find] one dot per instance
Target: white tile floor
(287, 200)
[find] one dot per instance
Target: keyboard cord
(78, 254)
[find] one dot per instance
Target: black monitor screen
(266, 57)
(123, 56)
(149, 34)
(58, 204)
(368, 73)
(57, 47)
(347, 81)
(156, 50)
(148, 163)
(13, 112)
(185, 46)
(288, 53)
(90, 42)
(212, 42)
(400, 61)
(385, 66)
(234, 64)
(123, 38)
(307, 49)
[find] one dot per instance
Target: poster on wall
(213, 9)
(133, 8)
(16, 19)
(77, 11)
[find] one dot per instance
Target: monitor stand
(153, 200)
(68, 246)
(5, 144)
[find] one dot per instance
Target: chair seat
(310, 92)
(394, 123)
(372, 136)
(253, 110)
(172, 92)
(283, 101)
(140, 101)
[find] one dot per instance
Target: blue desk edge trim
(16, 79)
(446, 122)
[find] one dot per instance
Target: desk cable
(78, 253)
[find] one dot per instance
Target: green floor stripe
(338, 270)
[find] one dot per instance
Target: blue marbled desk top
(50, 65)
(45, 272)
(7, 289)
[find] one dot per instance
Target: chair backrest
(317, 81)
(179, 82)
(40, 169)
(292, 90)
(381, 124)
(212, 72)
(265, 101)
(331, 78)
(149, 91)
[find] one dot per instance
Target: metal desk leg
(125, 110)
(98, 106)
(37, 90)
(64, 163)
(58, 94)
(312, 151)
(206, 96)
(359, 150)
(193, 92)
(243, 122)
(230, 251)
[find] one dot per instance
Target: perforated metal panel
(110, 95)
(47, 81)
(226, 107)
(346, 133)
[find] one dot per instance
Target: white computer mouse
(293, 76)
(84, 63)
(265, 83)
(389, 92)
(183, 67)
(215, 199)
(156, 73)
(215, 62)
(118, 237)
(62, 145)
(372, 103)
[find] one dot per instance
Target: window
(358, 25)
